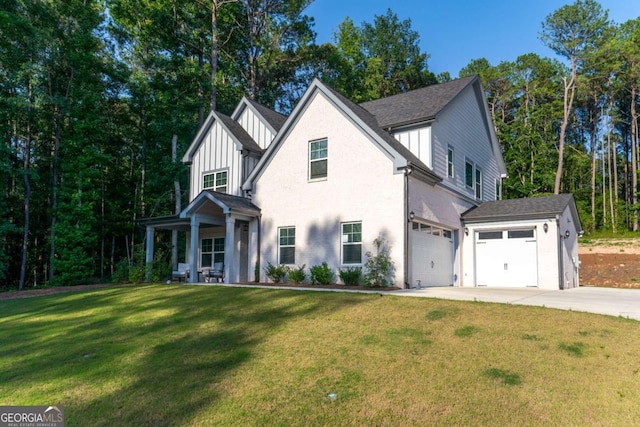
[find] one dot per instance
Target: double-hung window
(216, 181)
(352, 243)
(287, 245)
(468, 174)
(211, 251)
(478, 183)
(450, 165)
(318, 158)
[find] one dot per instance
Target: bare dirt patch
(610, 263)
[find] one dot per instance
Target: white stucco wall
(361, 186)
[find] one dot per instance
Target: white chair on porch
(182, 273)
(217, 273)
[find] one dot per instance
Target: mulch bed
(331, 286)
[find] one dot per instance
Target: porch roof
(227, 202)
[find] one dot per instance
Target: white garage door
(431, 256)
(506, 258)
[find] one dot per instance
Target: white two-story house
(323, 183)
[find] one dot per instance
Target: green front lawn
(190, 355)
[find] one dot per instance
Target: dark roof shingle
(239, 133)
(417, 105)
(235, 202)
(275, 119)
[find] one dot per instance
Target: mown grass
(187, 355)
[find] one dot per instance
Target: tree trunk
(54, 192)
(214, 54)
(634, 161)
(178, 207)
(569, 92)
(27, 191)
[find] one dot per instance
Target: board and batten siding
(461, 126)
(218, 151)
(361, 185)
(256, 128)
(418, 141)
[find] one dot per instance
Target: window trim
(320, 159)
(468, 163)
(347, 243)
(215, 186)
(478, 183)
(451, 167)
(213, 251)
(281, 246)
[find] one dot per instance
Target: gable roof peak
(417, 105)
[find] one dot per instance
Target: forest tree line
(100, 98)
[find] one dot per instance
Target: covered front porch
(220, 229)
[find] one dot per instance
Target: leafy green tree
(572, 32)
(379, 59)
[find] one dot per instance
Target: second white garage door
(431, 256)
(506, 258)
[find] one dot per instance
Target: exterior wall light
(411, 216)
(466, 231)
(567, 234)
(545, 227)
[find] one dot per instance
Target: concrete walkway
(611, 301)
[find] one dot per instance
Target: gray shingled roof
(372, 123)
(417, 105)
(513, 209)
(275, 119)
(241, 135)
(235, 202)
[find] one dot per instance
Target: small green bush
(276, 272)
(379, 266)
(297, 275)
(321, 274)
(351, 276)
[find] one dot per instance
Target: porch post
(193, 250)
(149, 253)
(229, 253)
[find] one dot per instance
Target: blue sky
(453, 32)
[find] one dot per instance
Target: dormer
(220, 156)
(261, 123)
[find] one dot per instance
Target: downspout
(560, 255)
(407, 224)
(257, 272)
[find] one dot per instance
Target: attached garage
(522, 243)
(431, 255)
(506, 258)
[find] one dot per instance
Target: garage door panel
(431, 259)
(506, 258)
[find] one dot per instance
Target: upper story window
(352, 243)
(468, 174)
(318, 154)
(287, 245)
(216, 181)
(478, 183)
(450, 165)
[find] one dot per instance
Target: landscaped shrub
(297, 275)
(321, 274)
(276, 272)
(351, 276)
(379, 267)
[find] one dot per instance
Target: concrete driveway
(611, 301)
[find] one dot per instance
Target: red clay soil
(614, 270)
